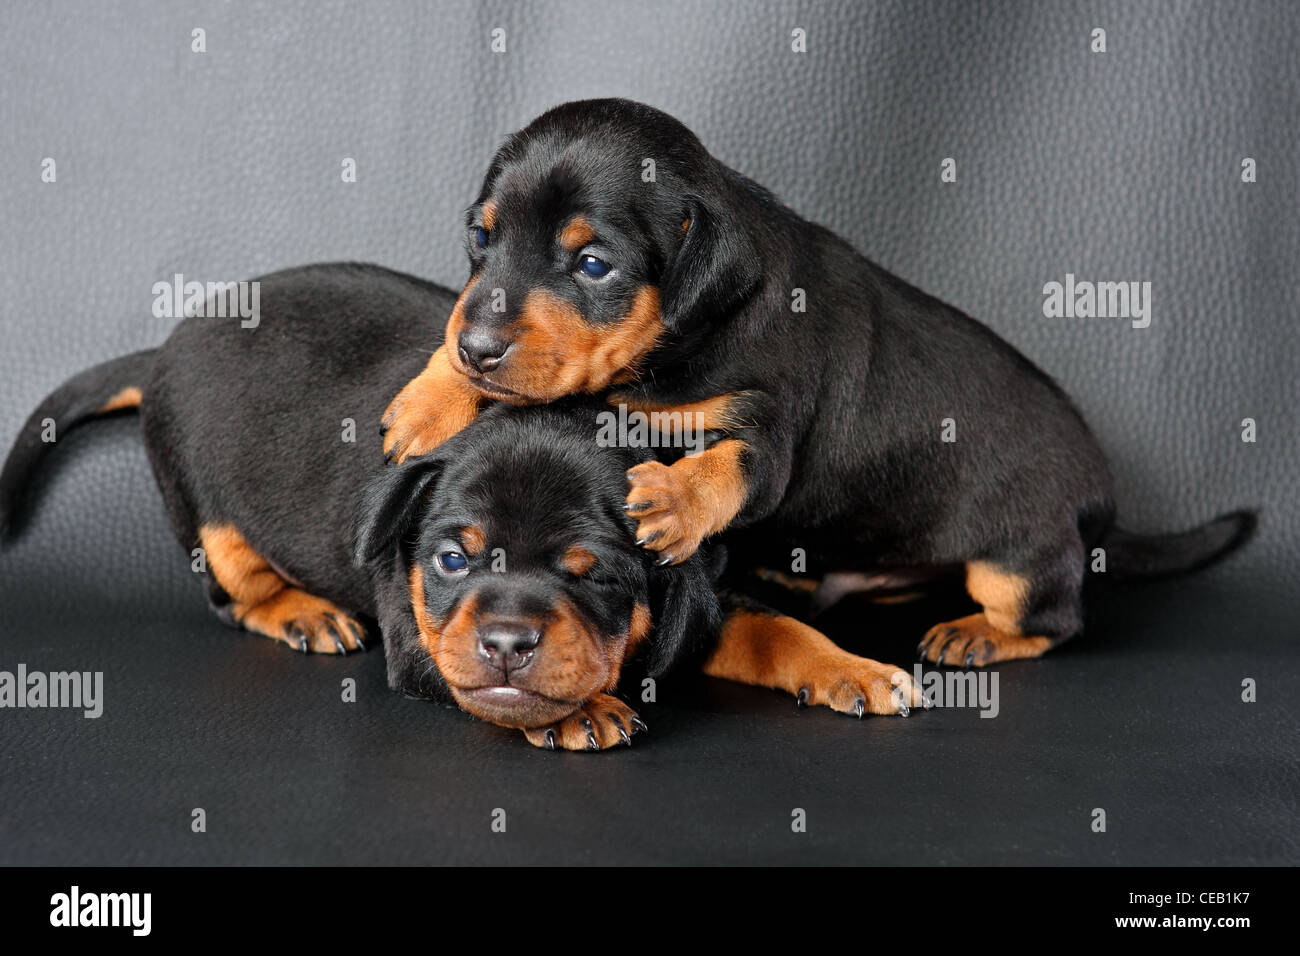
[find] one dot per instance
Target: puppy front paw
(414, 424)
(668, 517)
(598, 724)
(861, 686)
(431, 408)
(304, 622)
(677, 506)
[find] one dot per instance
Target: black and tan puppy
(609, 249)
(501, 570)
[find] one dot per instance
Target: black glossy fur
(843, 403)
(247, 426)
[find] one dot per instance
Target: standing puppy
(609, 251)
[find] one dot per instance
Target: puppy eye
(593, 267)
(452, 562)
(481, 237)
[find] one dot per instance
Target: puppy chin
(507, 391)
(512, 706)
(510, 396)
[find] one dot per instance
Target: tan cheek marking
(129, 397)
(577, 560)
(553, 340)
(576, 234)
(619, 353)
(451, 646)
(638, 630)
(576, 662)
(456, 657)
(430, 636)
(560, 353)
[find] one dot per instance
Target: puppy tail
(114, 386)
(1140, 556)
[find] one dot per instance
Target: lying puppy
(608, 249)
(501, 570)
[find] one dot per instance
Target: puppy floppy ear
(684, 612)
(390, 504)
(716, 268)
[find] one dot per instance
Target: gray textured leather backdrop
(223, 165)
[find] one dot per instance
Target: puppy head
(604, 229)
(527, 590)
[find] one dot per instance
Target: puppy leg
(761, 647)
(677, 506)
(432, 407)
(259, 599)
(1025, 614)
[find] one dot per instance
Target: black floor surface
(1142, 718)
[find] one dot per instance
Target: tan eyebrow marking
(473, 539)
(577, 560)
(576, 234)
(489, 215)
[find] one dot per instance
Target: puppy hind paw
(973, 642)
(306, 623)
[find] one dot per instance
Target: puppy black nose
(481, 349)
(508, 646)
